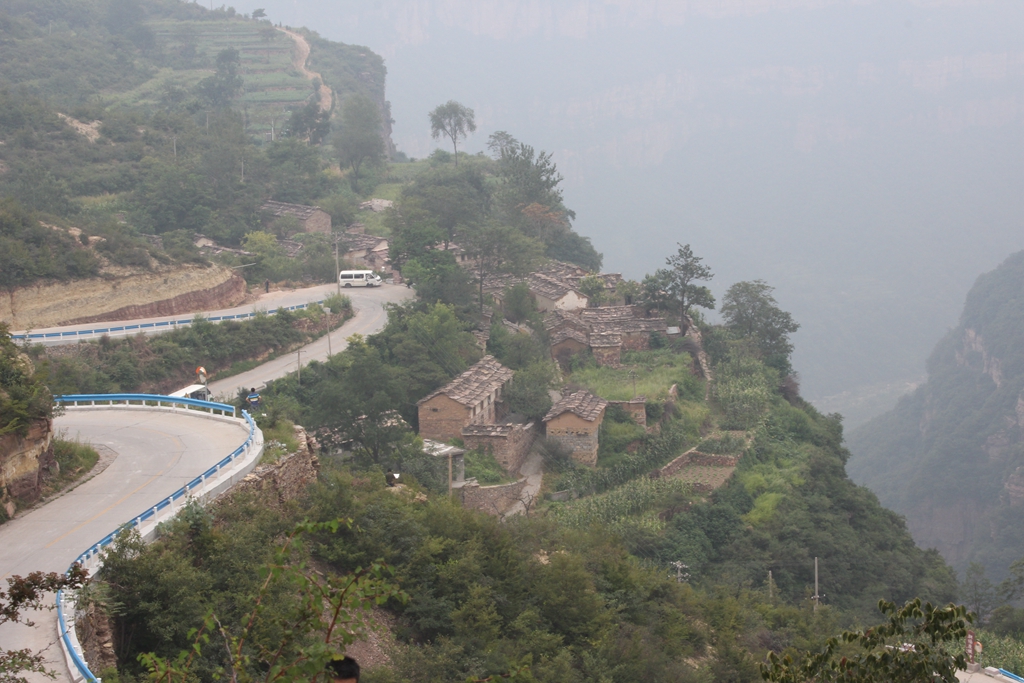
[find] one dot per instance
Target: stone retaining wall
(133, 292)
(287, 478)
(509, 445)
(493, 500)
(695, 457)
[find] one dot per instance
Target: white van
(359, 278)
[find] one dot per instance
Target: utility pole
(243, 171)
(328, 312)
(337, 267)
(299, 352)
(174, 145)
(770, 586)
(817, 598)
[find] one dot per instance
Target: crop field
(651, 372)
(272, 86)
(704, 475)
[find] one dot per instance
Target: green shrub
(485, 468)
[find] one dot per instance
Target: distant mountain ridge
(950, 456)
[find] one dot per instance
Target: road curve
(156, 454)
(370, 317)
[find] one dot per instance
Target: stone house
(367, 251)
(470, 398)
(553, 294)
(635, 332)
(607, 348)
(310, 218)
(574, 422)
(566, 342)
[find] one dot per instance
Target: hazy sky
(862, 157)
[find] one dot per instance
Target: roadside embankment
(169, 290)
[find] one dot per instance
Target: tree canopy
(454, 121)
(358, 139)
(751, 312)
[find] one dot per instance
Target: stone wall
(320, 221)
(122, 292)
(442, 419)
(695, 457)
(576, 434)
(24, 462)
(510, 444)
(636, 341)
(636, 409)
(287, 478)
(607, 355)
(493, 500)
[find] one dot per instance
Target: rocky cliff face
(950, 456)
(129, 294)
(24, 462)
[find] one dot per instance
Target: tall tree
(451, 198)
(359, 141)
(500, 250)
(751, 311)
(685, 270)
(452, 120)
(218, 90)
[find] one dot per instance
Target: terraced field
(272, 86)
(704, 477)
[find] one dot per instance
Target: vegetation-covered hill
(950, 456)
(146, 121)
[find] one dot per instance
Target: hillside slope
(950, 456)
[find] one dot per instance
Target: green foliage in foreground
(915, 644)
(485, 598)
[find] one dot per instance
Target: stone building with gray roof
(574, 421)
(309, 218)
(471, 398)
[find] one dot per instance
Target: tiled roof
(474, 384)
(605, 339)
(480, 429)
(559, 318)
(300, 211)
(561, 270)
(620, 319)
(499, 283)
(567, 332)
(581, 403)
(355, 241)
(550, 287)
(436, 448)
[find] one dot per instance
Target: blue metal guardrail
(1011, 675)
(97, 547)
(141, 327)
(143, 399)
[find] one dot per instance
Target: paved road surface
(370, 317)
(157, 453)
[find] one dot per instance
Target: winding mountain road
(155, 453)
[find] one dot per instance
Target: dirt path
(299, 58)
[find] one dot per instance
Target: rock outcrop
(24, 462)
